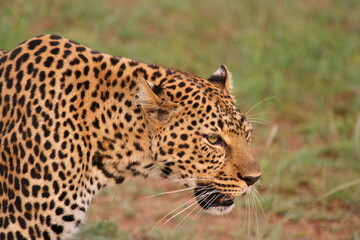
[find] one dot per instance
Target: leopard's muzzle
(212, 201)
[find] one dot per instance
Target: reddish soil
(145, 213)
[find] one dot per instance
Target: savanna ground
(296, 69)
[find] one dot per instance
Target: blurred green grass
(304, 55)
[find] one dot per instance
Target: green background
(296, 62)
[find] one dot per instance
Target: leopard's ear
(149, 98)
(222, 78)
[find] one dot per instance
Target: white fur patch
(221, 210)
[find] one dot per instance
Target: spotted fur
(73, 121)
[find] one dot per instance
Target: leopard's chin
(220, 210)
(213, 201)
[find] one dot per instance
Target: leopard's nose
(250, 180)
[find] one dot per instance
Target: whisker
(190, 212)
(228, 218)
(169, 192)
(266, 99)
(186, 179)
(257, 195)
(201, 211)
(258, 120)
(177, 225)
(152, 170)
(259, 113)
(168, 180)
(203, 195)
(259, 183)
(221, 219)
(201, 208)
(256, 215)
(159, 165)
(206, 205)
(192, 204)
(191, 200)
(248, 216)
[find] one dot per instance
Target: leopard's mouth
(212, 201)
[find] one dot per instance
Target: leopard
(74, 121)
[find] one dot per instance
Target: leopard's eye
(215, 139)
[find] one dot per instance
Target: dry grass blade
(357, 137)
(339, 188)
(271, 137)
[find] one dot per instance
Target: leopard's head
(200, 137)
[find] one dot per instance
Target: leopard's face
(201, 139)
